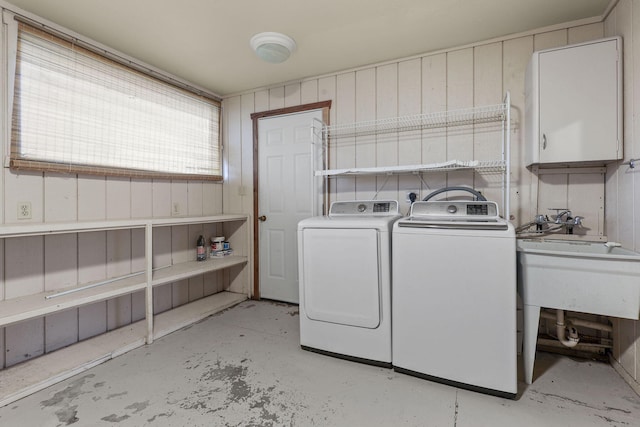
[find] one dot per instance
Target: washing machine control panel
(463, 210)
(364, 207)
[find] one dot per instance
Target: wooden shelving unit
(22, 379)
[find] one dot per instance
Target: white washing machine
(454, 296)
(344, 265)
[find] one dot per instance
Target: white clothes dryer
(344, 267)
(454, 296)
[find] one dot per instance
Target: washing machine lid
(475, 215)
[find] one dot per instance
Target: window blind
(76, 111)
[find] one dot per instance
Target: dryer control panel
(364, 208)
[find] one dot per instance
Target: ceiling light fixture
(272, 47)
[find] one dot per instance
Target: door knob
(262, 218)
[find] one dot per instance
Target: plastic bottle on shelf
(201, 250)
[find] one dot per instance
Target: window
(80, 112)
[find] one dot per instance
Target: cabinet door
(579, 103)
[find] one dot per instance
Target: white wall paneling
(23, 187)
(633, 146)
(24, 341)
(409, 146)
(142, 198)
(161, 203)
(180, 198)
(276, 98)
(196, 288)
(292, 96)
(60, 329)
(179, 293)
(2, 338)
(623, 182)
(118, 198)
(550, 39)
(515, 56)
(194, 198)
(233, 156)
(245, 191)
(386, 146)
(579, 189)
(434, 99)
(327, 89)
(342, 153)
(138, 306)
(60, 261)
(309, 92)
(460, 68)
(365, 145)
(23, 266)
(2, 350)
(92, 198)
(585, 33)
(60, 197)
(162, 298)
(92, 320)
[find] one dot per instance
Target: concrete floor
(244, 367)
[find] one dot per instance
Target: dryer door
(340, 275)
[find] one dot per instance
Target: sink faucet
(560, 213)
(568, 223)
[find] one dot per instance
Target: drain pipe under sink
(573, 338)
(579, 322)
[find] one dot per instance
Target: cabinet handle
(544, 141)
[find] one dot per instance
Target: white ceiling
(206, 42)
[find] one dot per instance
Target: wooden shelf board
(185, 270)
(31, 306)
(37, 229)
(165, 222)
(179, 317)
(36, 374)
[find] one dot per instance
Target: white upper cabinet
(573, 103)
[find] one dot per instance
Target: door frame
(325, 106)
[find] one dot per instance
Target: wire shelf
(461, 117)
(486, 166)
(493, 118)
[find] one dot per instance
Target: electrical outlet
(408, 192)
(176, 209)
(24, 210)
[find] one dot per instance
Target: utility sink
(588, 277)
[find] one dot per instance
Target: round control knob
(362, 207)
(452, 209)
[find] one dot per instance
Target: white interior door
(286, 190)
